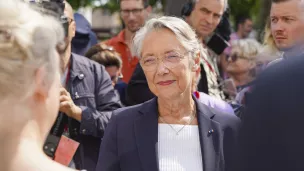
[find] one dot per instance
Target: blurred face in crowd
(114, 73)
(166, 64)
(205, 16)
(287, 23)
(238, 64)
(246, 28)
(68, 12)
(133, 14)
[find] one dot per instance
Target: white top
(180, 152)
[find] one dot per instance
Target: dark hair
(145, 2)
(241, 20)
(104, 55)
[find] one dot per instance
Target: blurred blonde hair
(28, 41)
(269, 50)
(247, 48)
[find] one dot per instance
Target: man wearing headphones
(204, 16)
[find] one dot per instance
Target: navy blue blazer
(130, 140)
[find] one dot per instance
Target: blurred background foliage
(257, 9)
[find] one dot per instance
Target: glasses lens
(172, 60)
(149, 63)
(234, 57)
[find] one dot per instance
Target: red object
(65, 150)
(209, 65)
(196, 94)
(129, 62)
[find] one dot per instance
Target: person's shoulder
(224, 119)
(131, 113)
(274, 62)
(286, 69)
(84, 61)
(215, 103)
(115, 40)
(110, 41)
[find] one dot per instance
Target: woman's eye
(149, 60)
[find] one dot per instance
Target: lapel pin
(210, 132)
(81, 76)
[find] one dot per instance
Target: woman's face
(166, 64)
(114, 73)
(238, 64)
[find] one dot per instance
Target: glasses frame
(135, 11)
(181, 55)
(237, 57)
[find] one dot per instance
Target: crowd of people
(166, 93)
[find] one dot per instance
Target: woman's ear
(41, 87)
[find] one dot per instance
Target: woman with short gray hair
(172, 131)
(29, 86)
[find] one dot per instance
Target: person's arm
(108, 153)
(94, 120)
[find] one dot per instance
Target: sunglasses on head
(235, 57)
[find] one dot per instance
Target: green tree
(111, 5)
(80, 3)
(244, 7)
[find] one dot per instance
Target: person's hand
(67, 105)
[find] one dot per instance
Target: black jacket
(130, 141)
(272, 131)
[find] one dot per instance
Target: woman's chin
(169, 95)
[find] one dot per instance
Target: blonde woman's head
(29, 64)
(243, 57)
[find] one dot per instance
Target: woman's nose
(228, 59)
(161, 68)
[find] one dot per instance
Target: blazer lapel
(210, 139)
(146, 133)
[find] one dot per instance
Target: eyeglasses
(170, 60)
(133, 11)
(235, 57)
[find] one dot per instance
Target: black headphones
(188, 8)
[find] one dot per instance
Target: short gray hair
(226, 5)
(184, 33)
(28, 42)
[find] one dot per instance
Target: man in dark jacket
(86, 102)
(271, 137)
